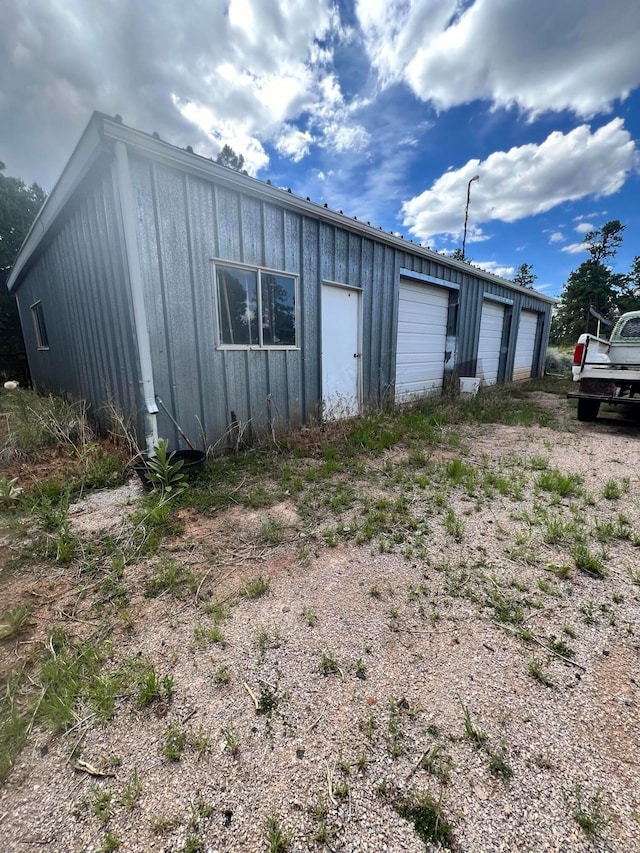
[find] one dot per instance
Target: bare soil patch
(363, 655)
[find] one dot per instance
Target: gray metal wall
(79, 277)
(185, 221)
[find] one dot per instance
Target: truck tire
(588, 409)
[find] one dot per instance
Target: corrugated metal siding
(471, 295)
(186, 221)
(81, 281)
(183, 222)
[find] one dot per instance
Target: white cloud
(557, 237)
(294, 143)
(539, 56)
(525, 181)
(584, 227)
(495, 268)
(197, 72)
(575, 248)
(220, 132)
(344, 138)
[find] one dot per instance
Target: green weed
(309, 616)
(231, 740)
(499, 766)
(199, 741)
(535, 671)
(428, 819)
(589, 816)
(368, 726)
(265, 638)
(101, 803)
(174, 743)
(271, 532)
(328, 663)
(475, 735)
(221, 676)
(131, 791)
(14, 621)
(268, 701)
(559, 647)
(203, 636)
(588, 562)
(151, 687)
(255, 587)
(396, 736)
(163, 470)
(111, 842)
(277, 839)
(173, 579)
(361, 669)
(558, 483)
(611, 490)
(10, 491)
(454, 526)
(437, 762)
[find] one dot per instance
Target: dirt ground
(480, 647)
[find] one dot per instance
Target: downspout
(127, 209)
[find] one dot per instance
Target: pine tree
(19, 205)
(591, 285)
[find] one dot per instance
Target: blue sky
(381, 109)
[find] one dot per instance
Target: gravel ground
(364, 659)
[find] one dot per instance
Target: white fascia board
(428, 279)
(84, 155)
(493, 297)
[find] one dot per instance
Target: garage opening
(422, 337)
(490, 343)
(525, 346)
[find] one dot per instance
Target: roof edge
(150, 144)
(84, 155)
(102, 127)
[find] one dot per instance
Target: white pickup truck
(608, 371)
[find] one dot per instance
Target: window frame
(39, 326)
(259, 272)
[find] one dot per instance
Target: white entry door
(341, 357)
(525, 345)
(491, 323)
(422, 336)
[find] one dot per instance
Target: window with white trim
(42, 341)
(256, 307)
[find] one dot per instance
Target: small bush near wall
(558, 361)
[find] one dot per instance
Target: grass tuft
(428, 819)
(277, 839)
(588, 562)
(255, 587)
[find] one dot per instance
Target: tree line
(19, 204)
(594, 286)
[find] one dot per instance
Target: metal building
(153, 274)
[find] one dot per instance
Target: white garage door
(491, 324)
(422, 332)
(525, 345)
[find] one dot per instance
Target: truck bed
(614, 372)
